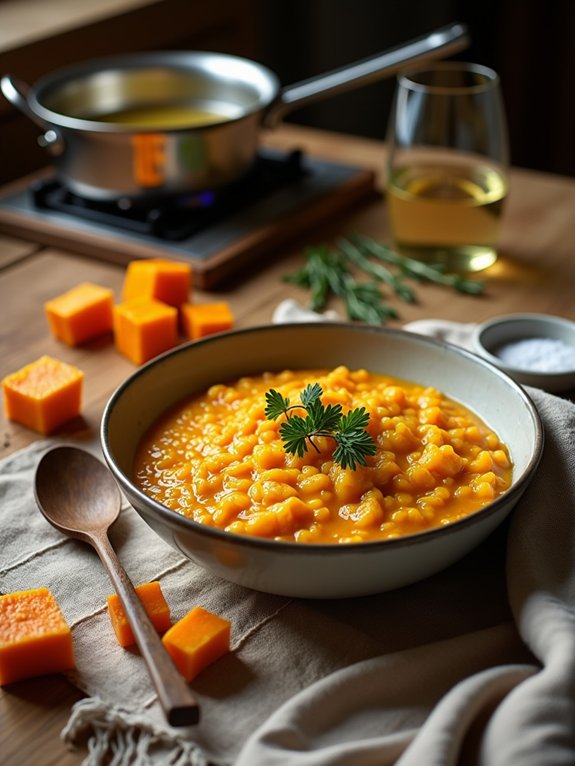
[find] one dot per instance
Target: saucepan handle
(439, 44)
(17, 93)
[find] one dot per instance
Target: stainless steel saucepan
(138, 158)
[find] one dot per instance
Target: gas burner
(176, 218)
(219, 233)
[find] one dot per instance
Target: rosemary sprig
(376, 270)
(353, 442)
(419, 269)
(327, 272)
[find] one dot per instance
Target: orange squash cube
(144, 328)
(151, 596)
(196, 641)
(158, 278)
(44, 394)
(82, 313)
(201, 319)
(35, 639)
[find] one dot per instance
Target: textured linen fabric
(476, 698)
(474, 665)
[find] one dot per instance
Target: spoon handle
(179, 705)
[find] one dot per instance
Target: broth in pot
(163, 117)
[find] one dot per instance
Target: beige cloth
(457, 669)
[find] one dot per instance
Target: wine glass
(447, 165)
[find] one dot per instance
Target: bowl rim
(548, 320)
(174, 519)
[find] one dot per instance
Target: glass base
(456, 259)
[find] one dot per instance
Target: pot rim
(264, 80)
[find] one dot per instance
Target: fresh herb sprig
(376, 270)
(325, 273)
(418, 269)
(328, 272)
(353, 443)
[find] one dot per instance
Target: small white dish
(534, 349)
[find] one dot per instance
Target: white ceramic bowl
(491, 338)
(311, 570)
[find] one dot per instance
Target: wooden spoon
(79, 496)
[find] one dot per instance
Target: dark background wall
(531, 43)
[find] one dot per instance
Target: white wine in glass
(447, 165)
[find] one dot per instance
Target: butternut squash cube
(82, 313)
(158, 278)
(44, 394)
(202, 319)
(35, 639)
(196, 641)
(144, 328)
(151, 596)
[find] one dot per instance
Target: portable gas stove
(217, 232)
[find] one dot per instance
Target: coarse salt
(538, 355)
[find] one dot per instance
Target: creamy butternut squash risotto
(217, 459)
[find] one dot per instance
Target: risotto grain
(218, 460)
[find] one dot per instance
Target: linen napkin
(459, 668)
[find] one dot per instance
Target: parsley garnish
(353, 442)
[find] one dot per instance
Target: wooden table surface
(535, 273)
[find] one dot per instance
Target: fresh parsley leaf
(353, 447)
(310, 394)
(354, 443)
(294, 434)
(354, 420)
(276, 404)
(325, 419)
